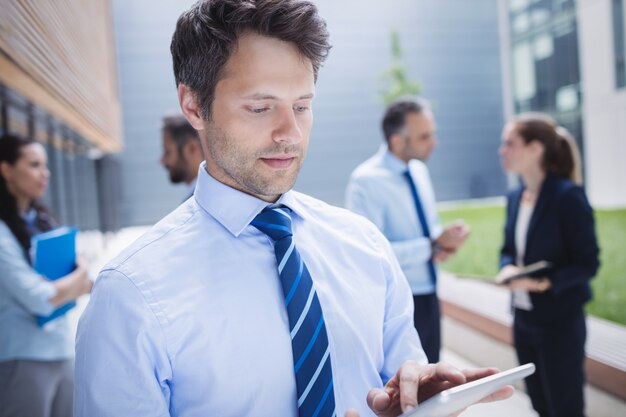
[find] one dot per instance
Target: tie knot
(274, 222)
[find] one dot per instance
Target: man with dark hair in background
(182, 152)
(393, 189)
(251, 299)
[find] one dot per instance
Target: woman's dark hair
(561, 155)
(206, 36)
(10, 152)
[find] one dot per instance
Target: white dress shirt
(379, 191)
(521, 298)
(190, 319)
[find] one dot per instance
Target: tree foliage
(396, 79)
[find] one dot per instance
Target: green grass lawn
(478, 258)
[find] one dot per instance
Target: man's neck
(397, 155)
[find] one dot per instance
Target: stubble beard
(243, 169)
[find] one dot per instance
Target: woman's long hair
(561, 155)
(10, 151)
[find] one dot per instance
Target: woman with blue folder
(36, 363)
(548, 219)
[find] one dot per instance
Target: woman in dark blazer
(548, 219)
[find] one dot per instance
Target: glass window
(619, 44)
(544, 46)
(567, 98)
(523, 71)
(540, 16)
(521, 23)
(517, 5)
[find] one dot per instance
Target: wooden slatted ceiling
(60, 55)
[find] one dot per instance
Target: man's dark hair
(179, 129)
(206, 36)
(395, 115)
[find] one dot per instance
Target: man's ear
(394, 142)
(190, 106)
(5, 170)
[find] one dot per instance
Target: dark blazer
(561, 231)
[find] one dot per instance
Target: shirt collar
(392, 162)
(191, 187)
(232, 208)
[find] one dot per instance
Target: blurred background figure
(394, 190)
(36, 363)
(182, 153)
(548, 219)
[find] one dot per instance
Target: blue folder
(54, 256)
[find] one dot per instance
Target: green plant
(395, 77)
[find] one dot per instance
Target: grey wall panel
(143, 30)
(450, 46)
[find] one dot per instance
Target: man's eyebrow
(261, 96)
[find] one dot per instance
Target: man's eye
(301, 109)
(259, 110)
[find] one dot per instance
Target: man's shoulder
(157, 239)
(370, 169)
(327, 215)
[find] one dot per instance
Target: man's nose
(288, 129)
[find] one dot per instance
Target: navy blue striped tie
(422, 218)
(309, 341)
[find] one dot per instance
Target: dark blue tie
(422, 218)
(309, 341)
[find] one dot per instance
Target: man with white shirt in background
(182, 152)
(393, 189)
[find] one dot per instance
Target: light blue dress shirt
(378, 190)
(191, 187)
(23, 295)
(190, 320)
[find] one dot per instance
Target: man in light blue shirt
(195, 318)
(393, 189)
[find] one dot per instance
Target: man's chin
(274, 189)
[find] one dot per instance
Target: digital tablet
(461, 396)
(541, 266)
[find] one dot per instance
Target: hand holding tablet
(457, 398)
(527, 271)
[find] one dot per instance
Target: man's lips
(280, 161)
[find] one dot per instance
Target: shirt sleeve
(19, 279)
(400, 339)
(122, 367)
(362, 198)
